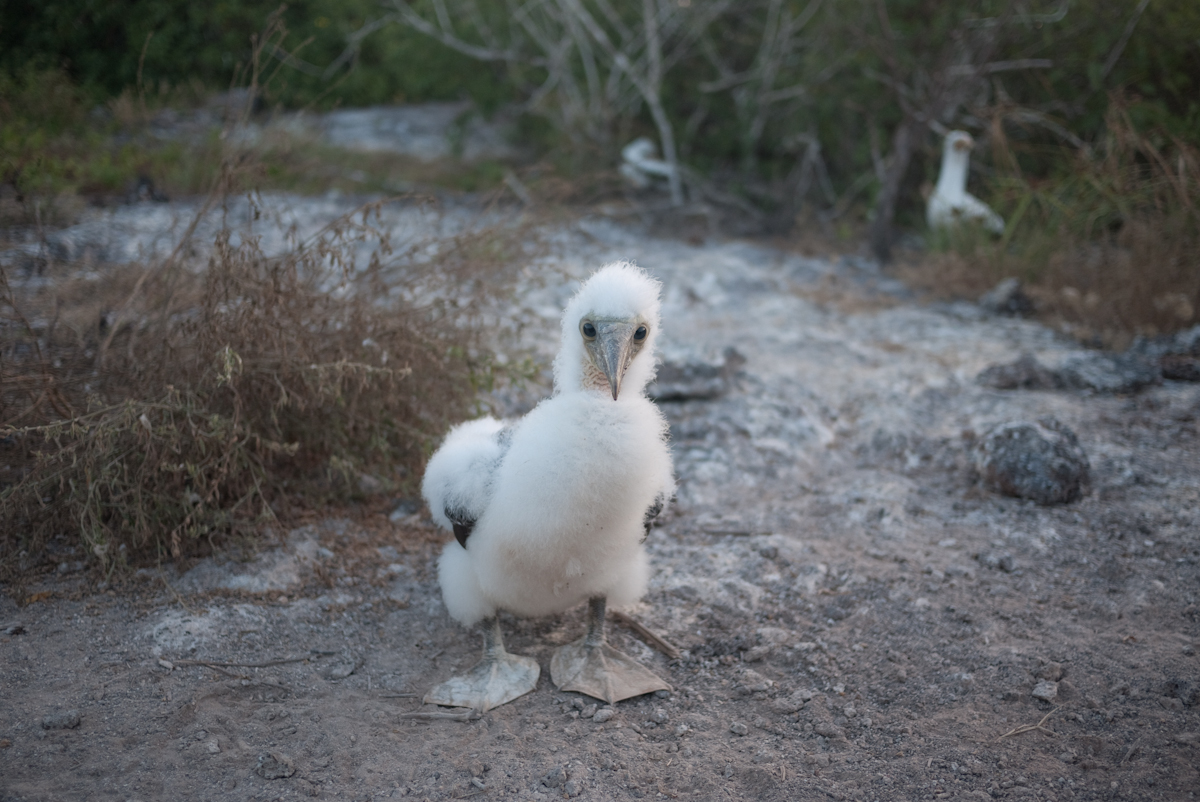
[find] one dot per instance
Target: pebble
(659, 716)
(1050, 671)
(738, 728)
(603, 714)
(275, 766)
(66, 720)
(829, 730)
(573, 788)
(555, 778)
(214, 748)
(1007, 298)
(588, 711)
(340, 670)
(1045, 690)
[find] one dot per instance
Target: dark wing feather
(651, 514)
(463, 525)
(463, 521)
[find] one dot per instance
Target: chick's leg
(498, 678)
(589, 665)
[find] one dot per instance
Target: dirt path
(858, 618)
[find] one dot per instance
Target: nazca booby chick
(551, 510)
(951, 204)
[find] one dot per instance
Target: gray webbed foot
(589, 665)
(497, 679)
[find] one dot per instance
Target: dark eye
(589, 330)
(640, 334)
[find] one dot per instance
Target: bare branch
(1119, 48)
(971, 70)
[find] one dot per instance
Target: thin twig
(1031, 727)
(655, 640)
(214, 663)
(466, 714)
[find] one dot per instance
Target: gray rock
(65, 720)
(695, 378)
(1041, 461)
(1007, 298)
(1108, 373)
(998, 560)
(275, 766)
(572, 788)
(738, 728)
(829, 730)
(1024, 374)
(1180, 367)
(603, 714)
(1050, 671)
(1046, 690)
(340, 669)
(555, 778)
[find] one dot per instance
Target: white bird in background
(551, 510)
(640, 166)
(951, 204)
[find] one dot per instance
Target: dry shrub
(152, 410)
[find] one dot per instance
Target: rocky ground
(858, 616)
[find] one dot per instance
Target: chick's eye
(588, 329)
(640, 334)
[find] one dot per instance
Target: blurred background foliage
(829, 112)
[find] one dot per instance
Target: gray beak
(612, 350)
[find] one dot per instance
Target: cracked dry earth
(857, 617)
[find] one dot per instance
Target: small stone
(738, 728)
(603, 714)
(588, 711)
(790, 704)
(340, 670)
(275, 766)
(1045, 690)
(1050, 671)
(659, 716)
(829, 730)
(66, 720)
(555, 778)
(573, 788)
(1007, 298)
(1107, 373)
(1024, 374)
(998, 561)
(214, 748)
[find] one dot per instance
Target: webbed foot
(497, 679)
(589, 665)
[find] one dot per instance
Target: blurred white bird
(951, 204)
(639, 164)
(551, 510)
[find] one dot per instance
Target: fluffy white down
(459, 475)
(562, 511)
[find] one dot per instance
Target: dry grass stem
(1031, 727)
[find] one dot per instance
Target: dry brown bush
(157, 408)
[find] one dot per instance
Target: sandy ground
(857, 617)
